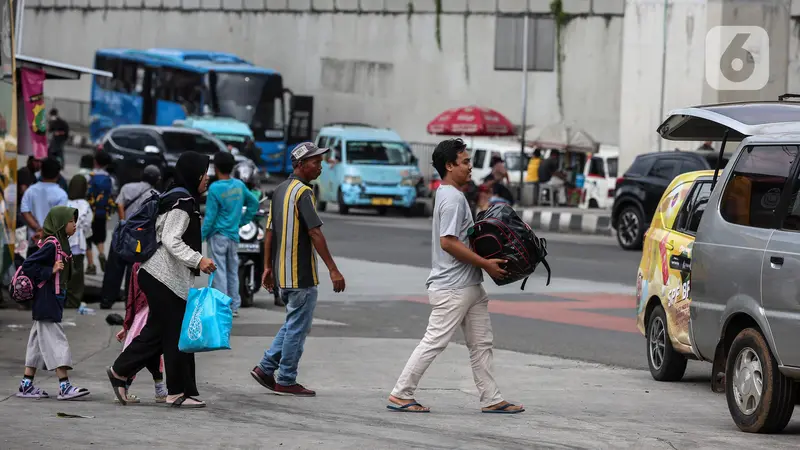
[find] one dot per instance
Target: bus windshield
(255, 99)
(382, 153)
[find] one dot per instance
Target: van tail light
(611, 192)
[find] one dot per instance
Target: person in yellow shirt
(532, 175)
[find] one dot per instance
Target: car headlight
(352, 179)
(408, 181)
(248, 231)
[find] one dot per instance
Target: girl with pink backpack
(42, 279)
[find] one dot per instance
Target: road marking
(574, 311)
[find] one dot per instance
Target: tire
(382, 211)
(244, 292)
(665, 363)
(771, 411)
(630, 228)
(343, 209)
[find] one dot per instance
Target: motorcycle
(251, 238)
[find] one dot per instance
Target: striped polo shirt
(292, 213)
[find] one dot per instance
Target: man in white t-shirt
(455, 290)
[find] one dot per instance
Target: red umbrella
(471, 121)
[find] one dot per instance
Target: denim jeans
(287, 347)
(223, 253)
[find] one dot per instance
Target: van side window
(752, 195)
(479, 158)
(689, 217)
(791, 221)
(596, 167)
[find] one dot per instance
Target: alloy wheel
(628, 227)
(658, 342)
(748, 381)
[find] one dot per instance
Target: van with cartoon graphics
(663, 280)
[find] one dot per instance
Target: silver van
(745, 269)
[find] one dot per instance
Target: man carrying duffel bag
(455, 290)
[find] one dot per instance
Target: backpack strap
(547, 267)
(59, 254)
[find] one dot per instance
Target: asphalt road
(523, 327)
(401, 240)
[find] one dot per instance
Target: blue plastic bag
(207, 322)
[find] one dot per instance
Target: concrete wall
(684, 81)
(396, 73)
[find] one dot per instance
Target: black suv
(132, 147)
(639, 190)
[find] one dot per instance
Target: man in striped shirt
(293, 239)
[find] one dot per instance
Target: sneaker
(91, 270)
(69, 392)
(161, 393)
(296, 390)
(268, 381)
(31, 391)
(236, 314)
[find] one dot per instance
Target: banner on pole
(35, 114)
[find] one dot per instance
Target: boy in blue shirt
(101, 197)
(224, 217)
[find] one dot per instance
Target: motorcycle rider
(246, 171)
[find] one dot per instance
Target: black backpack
(500, 233)
(134, 239)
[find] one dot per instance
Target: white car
(600, 178)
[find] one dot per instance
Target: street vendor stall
(572, 144)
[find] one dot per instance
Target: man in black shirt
(553, 178)
(59, 133)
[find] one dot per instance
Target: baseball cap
(306, 150)
(152, 170)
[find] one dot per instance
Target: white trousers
(469, 308)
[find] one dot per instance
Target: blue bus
(159, 86)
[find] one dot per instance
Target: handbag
(207, 322)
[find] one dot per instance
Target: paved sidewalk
(569, 404)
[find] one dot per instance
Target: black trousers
(160, 335)
(117, 272)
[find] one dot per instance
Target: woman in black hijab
(165, 279)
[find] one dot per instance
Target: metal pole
(719, 159)
(524, 104)
(663, 72)
(20, 20)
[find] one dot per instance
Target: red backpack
(22, 288)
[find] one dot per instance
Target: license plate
(382, 201)
(248, 247)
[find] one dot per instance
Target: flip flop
(179, 403)
(116, 385)
(503, 409)
(405, 407)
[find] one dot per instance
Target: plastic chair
(545, 196)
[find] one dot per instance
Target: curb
(568, 222)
